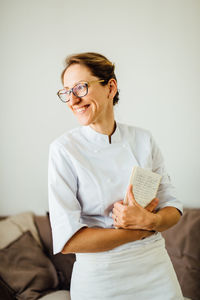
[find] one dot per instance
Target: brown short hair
(98, 65)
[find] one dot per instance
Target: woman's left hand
(134, 216)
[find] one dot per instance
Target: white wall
(155, 45)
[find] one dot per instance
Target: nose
(73, 99)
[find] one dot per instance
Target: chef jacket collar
(100, 138)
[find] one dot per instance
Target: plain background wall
(155, 45)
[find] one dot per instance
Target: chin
(84, 122)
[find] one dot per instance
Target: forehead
(76, 73)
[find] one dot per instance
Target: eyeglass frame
(71, 90)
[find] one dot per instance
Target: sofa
(30, 271)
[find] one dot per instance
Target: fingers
(152, 205)
(121, 202)
(131, 198)
(130, 195)
(115, 219)
(117, 212)
(118, 206)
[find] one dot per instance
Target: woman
(89, 168)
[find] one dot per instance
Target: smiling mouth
(81, 109)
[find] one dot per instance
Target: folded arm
(101, 239)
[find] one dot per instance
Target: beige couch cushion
(8, 232)
(12, 228)
(59, 295)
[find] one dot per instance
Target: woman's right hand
(133, 215)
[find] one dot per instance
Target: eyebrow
(66, 87)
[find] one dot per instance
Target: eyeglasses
(79, 90)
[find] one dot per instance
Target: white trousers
(141, 273)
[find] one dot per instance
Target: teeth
(81, 109)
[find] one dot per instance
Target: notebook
(145, 185)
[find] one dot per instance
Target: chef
(88, 175)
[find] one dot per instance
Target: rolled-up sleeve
(166, 192)
(64, 207)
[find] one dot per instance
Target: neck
(107, 127)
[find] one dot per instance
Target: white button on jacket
(87, 175)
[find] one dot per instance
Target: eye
(66, 92)
(80, 86)
(63, 92)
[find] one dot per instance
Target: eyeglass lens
(79, 90)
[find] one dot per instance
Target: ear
(112, 85)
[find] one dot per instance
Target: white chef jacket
(87, 174)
